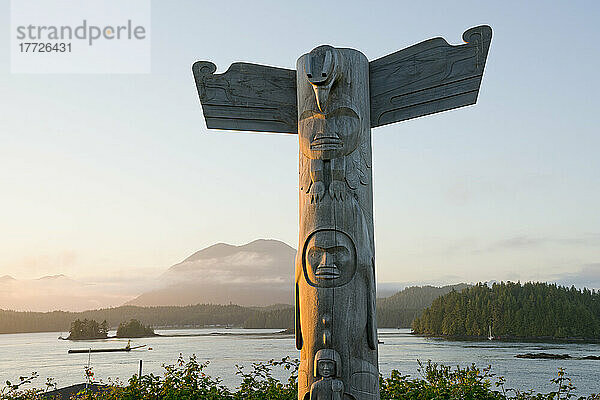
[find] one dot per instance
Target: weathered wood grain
(332, 101)
(248, 97)
(429, 77)
(335, 271)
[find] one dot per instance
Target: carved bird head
(323, 68)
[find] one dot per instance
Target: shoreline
(508, 339)
(283, 333)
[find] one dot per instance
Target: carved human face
(329, 258)
(325, 368)
(329, 135)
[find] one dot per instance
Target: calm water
(42, 352)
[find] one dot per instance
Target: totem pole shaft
(335, 275)
(332, 101)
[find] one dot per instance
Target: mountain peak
(255, 274)
(7, 278)
(219, 250)
(265, 245)
(216, 250)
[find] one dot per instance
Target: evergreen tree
(514, 310)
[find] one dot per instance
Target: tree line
(199, 315)
(514, 310)
(397, 311)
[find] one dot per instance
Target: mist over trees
(530, 310)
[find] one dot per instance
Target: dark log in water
(549, 356)
(591, 358)
(79, 351)
(546, 356)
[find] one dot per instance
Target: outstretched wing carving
(429, 77)
(248, 97)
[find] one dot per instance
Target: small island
(134, 329)
(89, 329)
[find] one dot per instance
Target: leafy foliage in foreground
(514, 310)
(186, 380)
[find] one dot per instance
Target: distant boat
(490, 337)
(126, 348)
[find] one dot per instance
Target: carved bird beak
(321, 94)
(321, 71)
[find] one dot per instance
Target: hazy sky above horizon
(113, 176)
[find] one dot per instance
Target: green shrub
(186, 380)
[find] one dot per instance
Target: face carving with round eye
(329, 258)
(326, 368)
(329, 135)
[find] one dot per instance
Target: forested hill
(397, 311)
(514, 310)
(199, 315)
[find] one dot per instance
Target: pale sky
(113, 176)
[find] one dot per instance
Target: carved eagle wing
(248, 97)
(429, 77)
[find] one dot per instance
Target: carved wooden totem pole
(332, 101)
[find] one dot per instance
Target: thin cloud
(525, 242)
(520, 242)
(588, 276)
